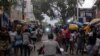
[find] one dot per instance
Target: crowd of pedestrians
(79, 41)
(19, 41)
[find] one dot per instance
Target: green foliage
(67, 7)
(7, 5)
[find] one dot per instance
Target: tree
(66, 8)
(7, 5)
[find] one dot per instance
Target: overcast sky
(88, 4)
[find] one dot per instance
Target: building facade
(98, 9)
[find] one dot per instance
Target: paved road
(39, 44)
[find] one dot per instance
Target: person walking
(59, 38)
(26, 42)
(39, 34)
(50, 47)
(33, 37)
(4, 41)
(18, 44)
(12, 34)
(72, 42)
(80, 41)
(66, 34)
(91, 41)
(97, 45)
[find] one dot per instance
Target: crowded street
(39, 44)
(49, 27)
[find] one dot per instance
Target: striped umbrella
(95, 21)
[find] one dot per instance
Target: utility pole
(22, 9)
(77, 11)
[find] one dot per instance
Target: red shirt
(66, 34)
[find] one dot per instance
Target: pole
(77, 11)
(23, 10)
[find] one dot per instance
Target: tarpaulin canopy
(95, 21)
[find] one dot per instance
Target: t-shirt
(12, 35)
(66, 34)
(72, 37)
(50, 47)
(33, 34)
(26, 37)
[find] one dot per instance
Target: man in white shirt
(50, 46)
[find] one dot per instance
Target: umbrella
(98, 24)
(79, 24)
(87, 28)
(95, 21)
(73, 26)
